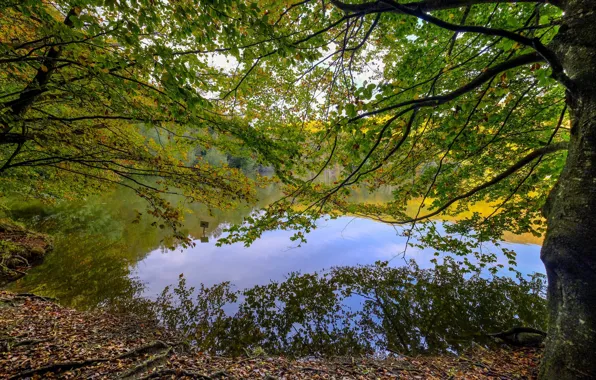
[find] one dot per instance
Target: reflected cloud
(341, 241)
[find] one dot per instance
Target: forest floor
(41, 340)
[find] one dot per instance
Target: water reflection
(100, 255)
(344, 241)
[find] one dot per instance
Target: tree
(101, 93)
(450, 102)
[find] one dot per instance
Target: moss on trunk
(569, 250)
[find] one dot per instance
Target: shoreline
(20, 250)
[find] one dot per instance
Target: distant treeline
(245, 163)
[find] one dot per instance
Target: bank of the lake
(40, 339)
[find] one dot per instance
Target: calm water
(100, 255)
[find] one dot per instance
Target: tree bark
(569, 250)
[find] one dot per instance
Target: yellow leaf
(44, 68)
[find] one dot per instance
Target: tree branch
(507, 173)
(433, 5)
(35, 88)
(434, 101)
(414, 9)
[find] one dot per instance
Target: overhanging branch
(433, 5)
(434, 101)
(417, 10)
(507, 173)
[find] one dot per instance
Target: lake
(100, 255)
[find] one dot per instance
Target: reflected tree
(356, 310)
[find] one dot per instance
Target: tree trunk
(569, 250)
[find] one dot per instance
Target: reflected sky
(342, 241)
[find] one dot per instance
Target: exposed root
(152, 347)
(27, 342)
(218, 374)
(521, 336)
(34, 296)
(58, 367)
(518, 330)
(20, 250)
(147, 364)
(7, 343)
(83, 363)
(177, 372)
